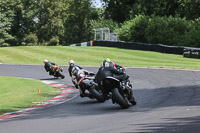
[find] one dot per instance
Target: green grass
(93, 56)
(18, 93)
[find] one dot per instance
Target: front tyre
(117, 97)
(61, 75)
(96, 94)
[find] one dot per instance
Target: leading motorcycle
(119, 91)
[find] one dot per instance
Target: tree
(181, 8)
(77, 24)
(192, 10)
(104, 23)
(24, 15)
(51, 16)
(118, 10)
(5, 22)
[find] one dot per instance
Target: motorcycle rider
(78, 75)
(110, 68)
(49, 66)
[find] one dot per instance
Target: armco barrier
(141, 46)
(185, 51)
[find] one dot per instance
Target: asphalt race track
(167, 101)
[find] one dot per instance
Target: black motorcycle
(92, 87)
(57, 72)
(119, 91)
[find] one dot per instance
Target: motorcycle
(119, 91)
(57, 72)
(88, 84)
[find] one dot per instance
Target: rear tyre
(117, 97)
(96, 94)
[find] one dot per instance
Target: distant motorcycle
(119, 91)
(57, 72)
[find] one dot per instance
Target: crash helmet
(107, 60)
(71, 62)
(45, 61)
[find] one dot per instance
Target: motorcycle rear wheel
(118, 98)
(96, 94)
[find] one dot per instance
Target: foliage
(181, 8)
(24, 13)
(77, 24)
(50, 19)
(121, 11)
(118, 10)
(5, 22)
(133, 30)
(53, 41)
(193, 36)
(167, 30)
(164, 30)
(156, 7)
(102, 23)
(190, 9)
(30, 40)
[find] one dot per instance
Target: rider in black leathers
(49, 66)
(110, 68)
(78, 75)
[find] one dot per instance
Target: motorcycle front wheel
(61, 75)
(118, 98)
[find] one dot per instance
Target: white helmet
(45, 61)
(71, 62)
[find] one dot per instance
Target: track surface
(167, 101)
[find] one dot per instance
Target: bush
(133, 30)
(54, 41)
(193, 36)
(161, 30)
(30, 40)
(167, 30)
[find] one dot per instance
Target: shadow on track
(92, 101)
(49, 79)
(147, 99)
(181, 125)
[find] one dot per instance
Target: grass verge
(93, 56)
(18, 93)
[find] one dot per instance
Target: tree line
(63, 22)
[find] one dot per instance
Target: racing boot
(106, 94)
(131, 98)
(86, 95)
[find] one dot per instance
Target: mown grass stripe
(93, 56)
